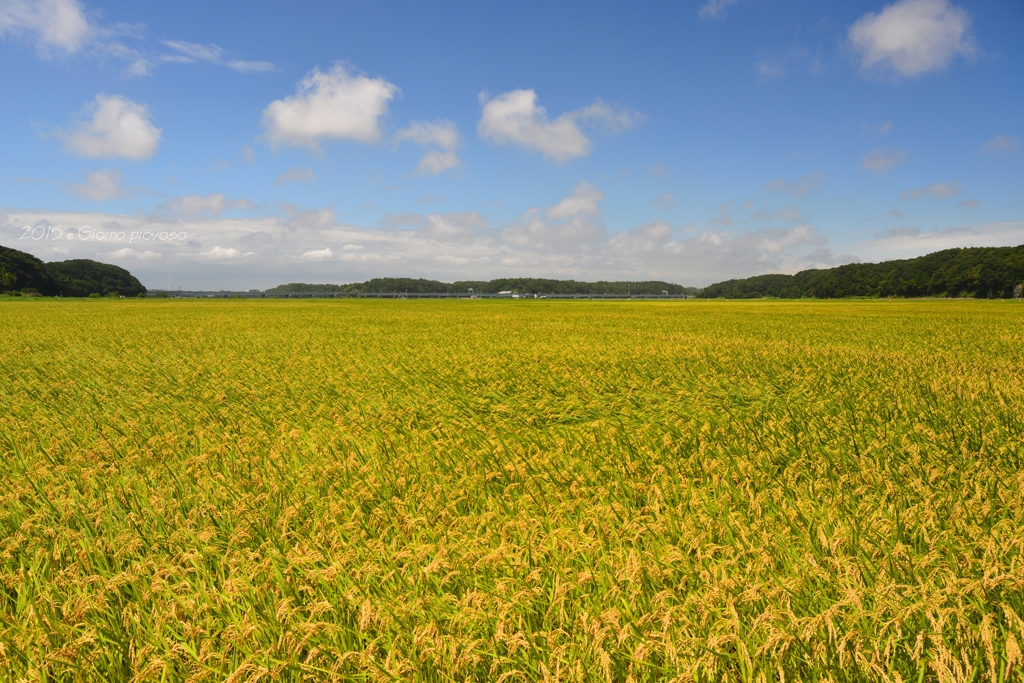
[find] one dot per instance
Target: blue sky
(242, 145)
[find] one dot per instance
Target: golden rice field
(511, 491)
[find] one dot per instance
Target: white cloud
(642, 239)
(299, 174)
(713, 255)
(208, 205)
(715, 9)
(188, 53)
(565, 240)
(571, 221)
(139, 67)
(912, 37)
(436, 162)
(934, 191)
(882, 160)
(806, 184)
(248, 66)
(100, 185)
(118, 128)
(222, 254)
(582, 202)
(54, 24)
(665, 202)
(129, 253)
(194, 52)
(515, 118)
(315, 219)
(454, 226)
(441, 133)
(318, 254)
(1001, 143)
(447, 227)
(329, 106)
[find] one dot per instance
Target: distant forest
(23, 273)
(386, 285)
(982, 273)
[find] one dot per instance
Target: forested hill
(25, 274)
(523, 285)
(982, 272)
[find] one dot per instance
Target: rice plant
(511, 491)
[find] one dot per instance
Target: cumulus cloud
(1000, 143)
(710, 255)
(882, 160)
(582, 202)
(299, 174)
(332, 105)
(310, 218)
(206, 205)
(113, 126)
(100, 186)
(573, 220)
(447, 227)
(665, 202)
(188, 53)
(129, 253)
(318, 254)
(515, 118)
(138, 67)
(222, 254)
(567, 239)
(806, 184)
(934, 191)
(55, 25)
(912, 37)
(643, 239)
(454, 226)
(715, 9)
(442, 134)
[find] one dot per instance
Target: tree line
(979, 272)
(399, 285)
(22, 273)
